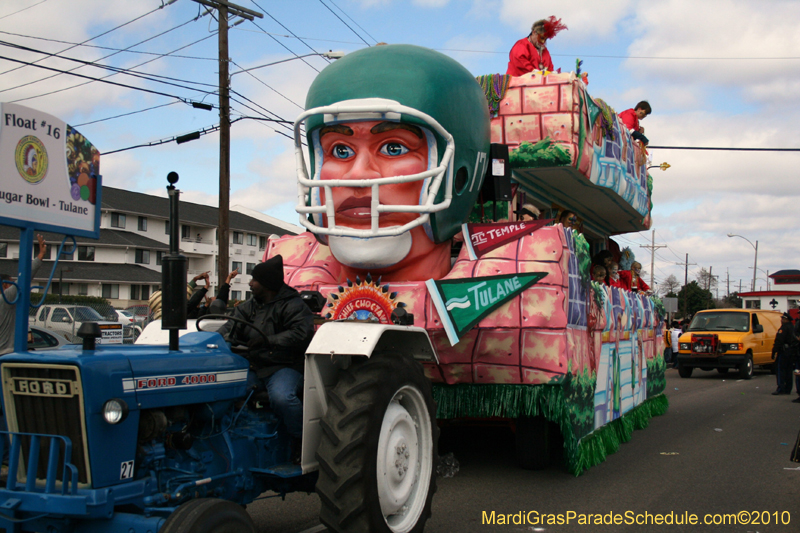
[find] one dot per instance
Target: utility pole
(225, 8)
(740, 286)
(728, 274)
(685, 285)
(653, 247)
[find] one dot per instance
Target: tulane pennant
(462, 303)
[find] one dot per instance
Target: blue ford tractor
(170, 439)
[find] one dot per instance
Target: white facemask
(370, 253)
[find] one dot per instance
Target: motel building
(782, 294)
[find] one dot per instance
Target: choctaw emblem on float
(363, 300)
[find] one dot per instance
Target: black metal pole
(173, 272)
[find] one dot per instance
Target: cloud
(746, 33)
(585, 20)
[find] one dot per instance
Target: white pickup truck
(67, 320)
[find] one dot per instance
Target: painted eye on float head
(340, 151)
(393, 149)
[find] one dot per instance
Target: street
(723, 447)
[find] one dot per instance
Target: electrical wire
(343, 22)
(259, 80)
(98, 36)
(123, 115)
(353, 21)
(284, 46)
(306, 38)
(23, 9)
(725, 149)
(98, 47)
(287, 29)
(130, 72)
(103, 79)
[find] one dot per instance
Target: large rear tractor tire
(209, 515)
(377, 457)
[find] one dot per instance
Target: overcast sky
(717, 73)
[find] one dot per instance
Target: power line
(353, 21)
(629, 57)
(102, 34)
(98, 47)
(23, 9)
(283, 45)
(123, 115)
(28, 63)
(343, 22)
(287, 29)
(726, 149)
(103, 79)
(259, 80)
(130, 72)
(292, 37)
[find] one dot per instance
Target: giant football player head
(398, 139)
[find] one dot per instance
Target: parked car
(120, 315)
(44, 339)
(140, 314)
(68, 319)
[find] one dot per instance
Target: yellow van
(723, 339)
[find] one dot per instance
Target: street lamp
(662, 166)
(766, 273)
(755, 260)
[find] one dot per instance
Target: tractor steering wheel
(234, 347)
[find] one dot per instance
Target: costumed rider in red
(531, 53)
(631, 118)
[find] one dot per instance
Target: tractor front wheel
(377, 457)
(209, 515)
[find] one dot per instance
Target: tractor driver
(398, 139)
(276, 309)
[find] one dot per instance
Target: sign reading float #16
(49, 174)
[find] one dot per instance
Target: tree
(695, 298)
(733, 300)
(669, 285)
(706, 280)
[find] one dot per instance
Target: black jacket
(784, 339)
(289, 327)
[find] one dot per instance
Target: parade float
(521, 332)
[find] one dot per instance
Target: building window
(237, 265)
(142, 223)
(3, 249)
(252, 239)
(186, 232)
(117, 220)
(55, 286)
(247, 295)
(46, 252)
(110, 290)
(250, 267)
(752, 304)
(159, 258)
(262, 243)
(236, 295)
(787, 280)
(238, 237)
(140, 292)
(85, 253)
(166, 227)
(83, 289)
(143, 256)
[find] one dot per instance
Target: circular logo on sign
(31, 159)
(365, 300)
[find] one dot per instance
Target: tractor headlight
(115, 411)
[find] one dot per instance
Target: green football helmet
(407, 84)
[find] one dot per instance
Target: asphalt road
(723, 447)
